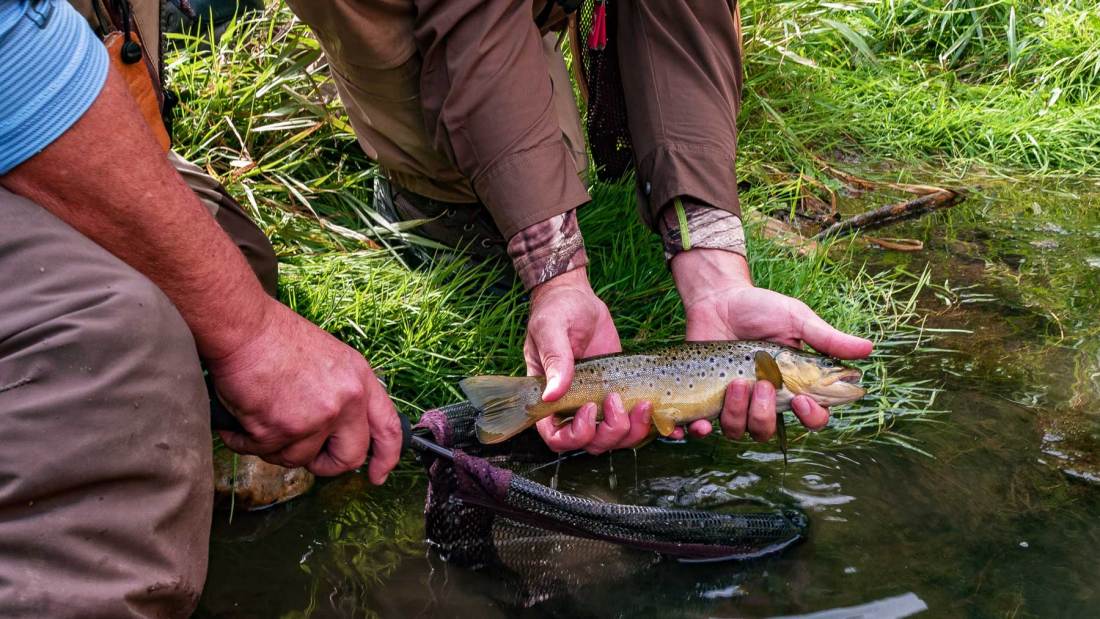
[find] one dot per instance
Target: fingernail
(759, 390)
(551, 384)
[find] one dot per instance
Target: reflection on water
(1000, 522)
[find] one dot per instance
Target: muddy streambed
(1002, 520)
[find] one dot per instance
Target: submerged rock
(256, 484)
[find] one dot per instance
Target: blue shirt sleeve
(52, 67)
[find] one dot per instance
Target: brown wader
(105, 466)
(468, 105)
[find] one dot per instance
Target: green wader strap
(681, 216)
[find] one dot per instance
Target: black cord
(131, 50)
(569, 6)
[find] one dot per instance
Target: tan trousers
(105, 470)
(105, 466)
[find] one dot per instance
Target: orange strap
(142, 87)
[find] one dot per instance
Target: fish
(683, 382)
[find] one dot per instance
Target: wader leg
(105, 468)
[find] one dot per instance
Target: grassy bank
(854, 83)
(949, 88)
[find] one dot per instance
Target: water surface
(1001, 520)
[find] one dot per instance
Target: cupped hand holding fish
(748, 367)
(721, 303)
(568, 322)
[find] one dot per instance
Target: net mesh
(482, 512)
(606, 122)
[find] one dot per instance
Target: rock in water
(256, 484)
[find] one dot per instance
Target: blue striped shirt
(52, 67)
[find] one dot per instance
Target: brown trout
(684, 382)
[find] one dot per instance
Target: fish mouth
(851, 376)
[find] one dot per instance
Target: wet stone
(256, 484)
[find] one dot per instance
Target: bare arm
(304, 397)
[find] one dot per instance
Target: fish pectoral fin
(767, 369)
(664, 420)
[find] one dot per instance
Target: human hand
(721, 303)
(306, 399)
(568, 321)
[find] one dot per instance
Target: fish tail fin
(503, 402)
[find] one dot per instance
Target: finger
(677, 434)
(614, 427)
(761, 422)
(699, 428)
(735, 408)
(302, 452)
(555, 353)
(640, 425)
(385, 449)
(810, 413)
(830, 341)
(346, 448)
(573, 435)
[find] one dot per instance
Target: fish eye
(827, 363)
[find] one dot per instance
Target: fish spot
(748, 358)
(668, 393)
(740, 372)
(722, 375)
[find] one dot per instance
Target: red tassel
(597, 38)
(603, 25)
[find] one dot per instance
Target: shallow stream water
(1001, 518)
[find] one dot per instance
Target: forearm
(548, 249)
(107, 178)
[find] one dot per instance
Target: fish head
(828, 381)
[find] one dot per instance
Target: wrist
(547, 249)
(252, 314)
(576, 279)
(687, 224)
(702, 273)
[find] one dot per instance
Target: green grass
(947, 89)
(868, 81)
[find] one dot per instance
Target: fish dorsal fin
(767, 369)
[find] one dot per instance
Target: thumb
(555, 353)
(828, 340)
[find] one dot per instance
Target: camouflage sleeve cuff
(547, 249)
(706, 227)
